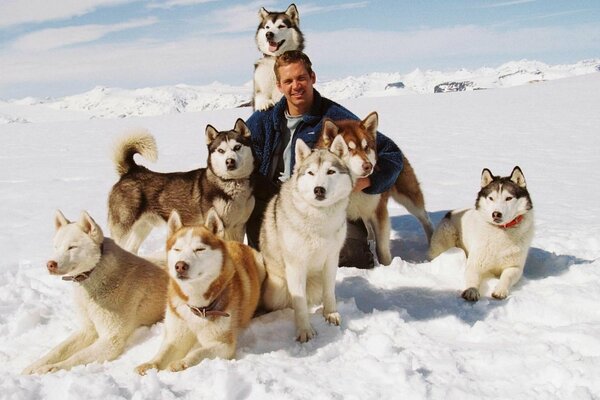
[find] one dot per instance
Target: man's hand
(361, 183)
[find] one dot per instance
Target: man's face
(296, 84)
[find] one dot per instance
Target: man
(299, 114)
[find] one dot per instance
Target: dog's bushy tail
(140, 142)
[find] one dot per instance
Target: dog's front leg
(329, 303)
(473, 280)
(296, 281)
(222, 348)
(74, 343)
(508, 278)
(177, 340)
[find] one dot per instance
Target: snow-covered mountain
(102, 102)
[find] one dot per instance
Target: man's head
(295, 79)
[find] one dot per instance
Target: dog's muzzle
(319, 192)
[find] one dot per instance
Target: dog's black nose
(319, 192)
(269, 35)
(230, 163)
(181, 267)
(497, 215)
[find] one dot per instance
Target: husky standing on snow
(495, 235)
(361, 138)
(277, 33)
(115, 293)
(143, 199)
(302, 234)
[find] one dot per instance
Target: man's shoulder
(335, 110)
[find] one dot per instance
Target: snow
(405, 333)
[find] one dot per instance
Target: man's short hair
(291, 57)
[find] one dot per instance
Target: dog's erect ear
(329, 131)
(292, 12)
(371, 122)
(339, 147)
(174, 223)
(518, 177)
(241, 127)
(302, 151)
(214, 223)
(486, 177)
(89, 226)
(60, 220)
(211, 134)
(262, 14)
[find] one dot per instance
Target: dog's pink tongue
(273, 46)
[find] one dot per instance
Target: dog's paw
(46, 369)
(178, 365)
(333, 318)
(500, 294)
(304, 335)
(142, 369)
(263, 105)
(30, 370)
(471, 294)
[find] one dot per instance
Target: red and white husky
(360, 136)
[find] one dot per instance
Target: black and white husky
(143, 199)
(277, 33)
(303, 231)
(495, 235)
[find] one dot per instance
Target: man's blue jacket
(266, 129)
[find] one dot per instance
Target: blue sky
(61, 47)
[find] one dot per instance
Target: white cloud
(313, 8)
(16, 12)
(177, 3)
(48, 39)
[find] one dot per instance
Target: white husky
(302, 234)
(115, 292)
(495, 235)
(277, 33)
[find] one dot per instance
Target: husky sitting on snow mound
(302, 233)
(277, 33)
(115, 293)
(143, 199)
(213, 292)
(495, 235)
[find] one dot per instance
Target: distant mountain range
(102, 102)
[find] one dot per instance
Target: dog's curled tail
(141, 142)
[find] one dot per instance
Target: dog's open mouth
(274, 46)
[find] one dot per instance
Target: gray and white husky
(277, 33)
(303, 231)
(143, 199)
(495, 235)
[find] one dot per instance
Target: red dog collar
(513, 223)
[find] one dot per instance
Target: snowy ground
(406, 333)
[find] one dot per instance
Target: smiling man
(299, 114)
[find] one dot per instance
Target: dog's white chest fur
(266, 93)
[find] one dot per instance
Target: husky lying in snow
(277, 33)
(115, 293)
(213, 293)
(360, 136)
(495, 235)
(303, 231)
(142, 199)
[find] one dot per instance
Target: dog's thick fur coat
(143, 199)
(303, 230)
(495, 235)
(115, 293)
(213, 293)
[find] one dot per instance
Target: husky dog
(213, 292)
(360, 137)
(303, 231)
(495, 235)
(143, 199)
(115, 293)
(277, 33)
